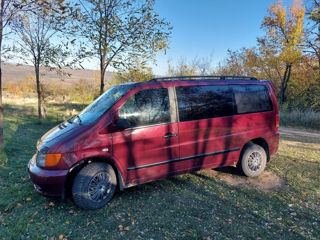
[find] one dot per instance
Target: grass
(189, 206)
(307, 119)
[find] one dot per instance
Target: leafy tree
(35, 37)
(137, 73)
(284, 37)
(120, 31)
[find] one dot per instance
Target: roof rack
(203, 78)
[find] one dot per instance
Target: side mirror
(122, 124)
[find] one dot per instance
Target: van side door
(147, 147)
(207, 133)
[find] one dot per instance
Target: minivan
(140, 132)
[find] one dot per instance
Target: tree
(137, 73)
(8, 10)
(35, 33)
(197, 66)
(313, 31)
(120, 31)
(284, 36)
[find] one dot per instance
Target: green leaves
(119, 32)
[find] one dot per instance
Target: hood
(57, 133)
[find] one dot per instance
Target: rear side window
(147, 107)
(251, 98)
(202, 102)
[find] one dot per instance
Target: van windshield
(96, 109)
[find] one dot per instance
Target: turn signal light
(52, 159)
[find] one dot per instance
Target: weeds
(308, 119)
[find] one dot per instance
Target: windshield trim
(84, 122)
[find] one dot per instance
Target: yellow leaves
(127, 228)
(189, 231)
(279, 218)
(284, 31)
(60, 237)
(51, 204)
(28, 199)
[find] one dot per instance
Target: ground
(283, 203)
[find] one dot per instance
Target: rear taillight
(277, 123)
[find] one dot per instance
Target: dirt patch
(300, 133)
(268, 181)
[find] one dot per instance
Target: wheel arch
(259, 141)
(78, 166)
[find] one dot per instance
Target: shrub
(300, 118)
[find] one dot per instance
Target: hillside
(16, 74)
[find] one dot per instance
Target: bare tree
(36, 35)
(312, 38)
(8, 10)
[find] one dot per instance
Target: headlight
(41, 157)
(45, 159)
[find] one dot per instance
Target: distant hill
(16, 74)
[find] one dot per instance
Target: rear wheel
(253, 160)
(94, 185)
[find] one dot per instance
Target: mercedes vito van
(140, 132)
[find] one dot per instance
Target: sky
(205, 27)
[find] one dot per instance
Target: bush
(300, 118)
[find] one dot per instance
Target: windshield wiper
(71, 120)
(77, 116)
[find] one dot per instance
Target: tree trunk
(282, 91)
(1, 107)
(37, 70)
(102, 71)
(102, 81)
(284, 83)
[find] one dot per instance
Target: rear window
(202, 102)
(251, 98)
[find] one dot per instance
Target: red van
(140, 132)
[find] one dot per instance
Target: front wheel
(94, 186)
(253, 160)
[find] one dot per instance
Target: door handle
(170, 135)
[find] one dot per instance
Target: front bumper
(47, 182)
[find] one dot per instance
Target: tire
(253, 160)
(94, 186)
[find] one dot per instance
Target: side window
(147, 107)
(252, 98)
(202, 102)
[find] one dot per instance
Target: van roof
(193, 79)
(204, 77)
